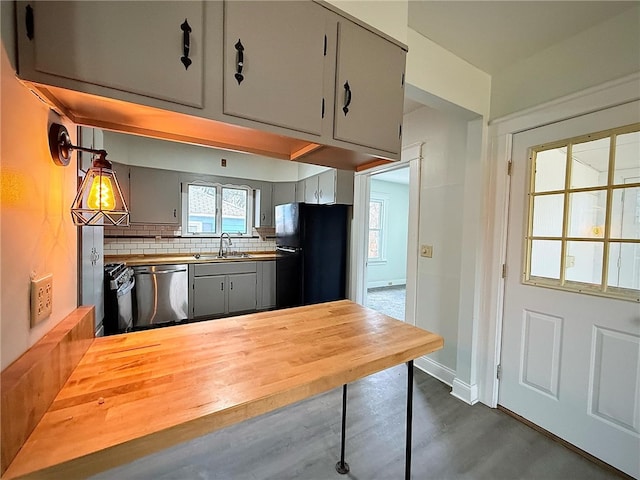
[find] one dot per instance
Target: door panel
(570, 362)
(373, 69)
(283, 63)
(117, 44)
(242, 292)
(209, 296)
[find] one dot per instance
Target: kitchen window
(210, 209)
(584, 214)
(376, 230)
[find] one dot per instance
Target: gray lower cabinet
(209, 296)
(241, 292)
(219, 289)
(267, 285)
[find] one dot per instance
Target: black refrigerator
(311, 253)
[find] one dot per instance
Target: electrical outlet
(570, 262)
(41, 298)
(426, 251)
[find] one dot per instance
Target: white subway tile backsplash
(142, 239)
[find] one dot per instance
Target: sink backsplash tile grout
(166, 239)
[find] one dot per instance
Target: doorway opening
(386, 242)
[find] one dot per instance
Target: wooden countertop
(170, 259)
(138, 393)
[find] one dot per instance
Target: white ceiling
(492, 35)
(398, 175)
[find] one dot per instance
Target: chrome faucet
(221, 252)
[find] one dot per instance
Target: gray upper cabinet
(153, 49)
(274, 63)
(122, 175)
(284, 192)
(262, 77)
(264, 205)
(154, 196)
(329, 187)
(369, 89)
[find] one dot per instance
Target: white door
(570, 361)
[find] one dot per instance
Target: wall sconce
(99, 200)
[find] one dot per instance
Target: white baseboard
(387, 283)
(435, 369)
(465, 392)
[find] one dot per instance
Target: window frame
(383, 200)
(218, 214)
(602, 289)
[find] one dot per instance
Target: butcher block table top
(137, 393)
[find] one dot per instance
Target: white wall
(389, 16)
(37, 235)
(394, 268)
(442, 204)
(432, 69)
(602, 53)
(151, 152)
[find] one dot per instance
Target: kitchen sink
(198, 256)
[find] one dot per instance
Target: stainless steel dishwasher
(161, 294)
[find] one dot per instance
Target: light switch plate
(426, 251)
(41, 298)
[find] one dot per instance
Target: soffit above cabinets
(124, 117)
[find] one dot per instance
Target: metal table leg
(407, 464)
(342, 467)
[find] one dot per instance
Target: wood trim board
(30, 384)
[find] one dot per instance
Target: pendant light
(99, 200)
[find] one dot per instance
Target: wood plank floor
(451, 440)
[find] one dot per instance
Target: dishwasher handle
(159, 272)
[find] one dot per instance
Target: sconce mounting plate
(60, 144)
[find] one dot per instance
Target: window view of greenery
(215, 209)
(584, 222)
(376, 208)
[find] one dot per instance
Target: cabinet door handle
(347, 98)
(222, 286)
(231, 285)
(28, 20)
(175, 212)
(320, 193)
(186, 43)
(239, 61)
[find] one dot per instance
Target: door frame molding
(411, 157)
(501, 132)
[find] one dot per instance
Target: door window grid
(575, 216)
